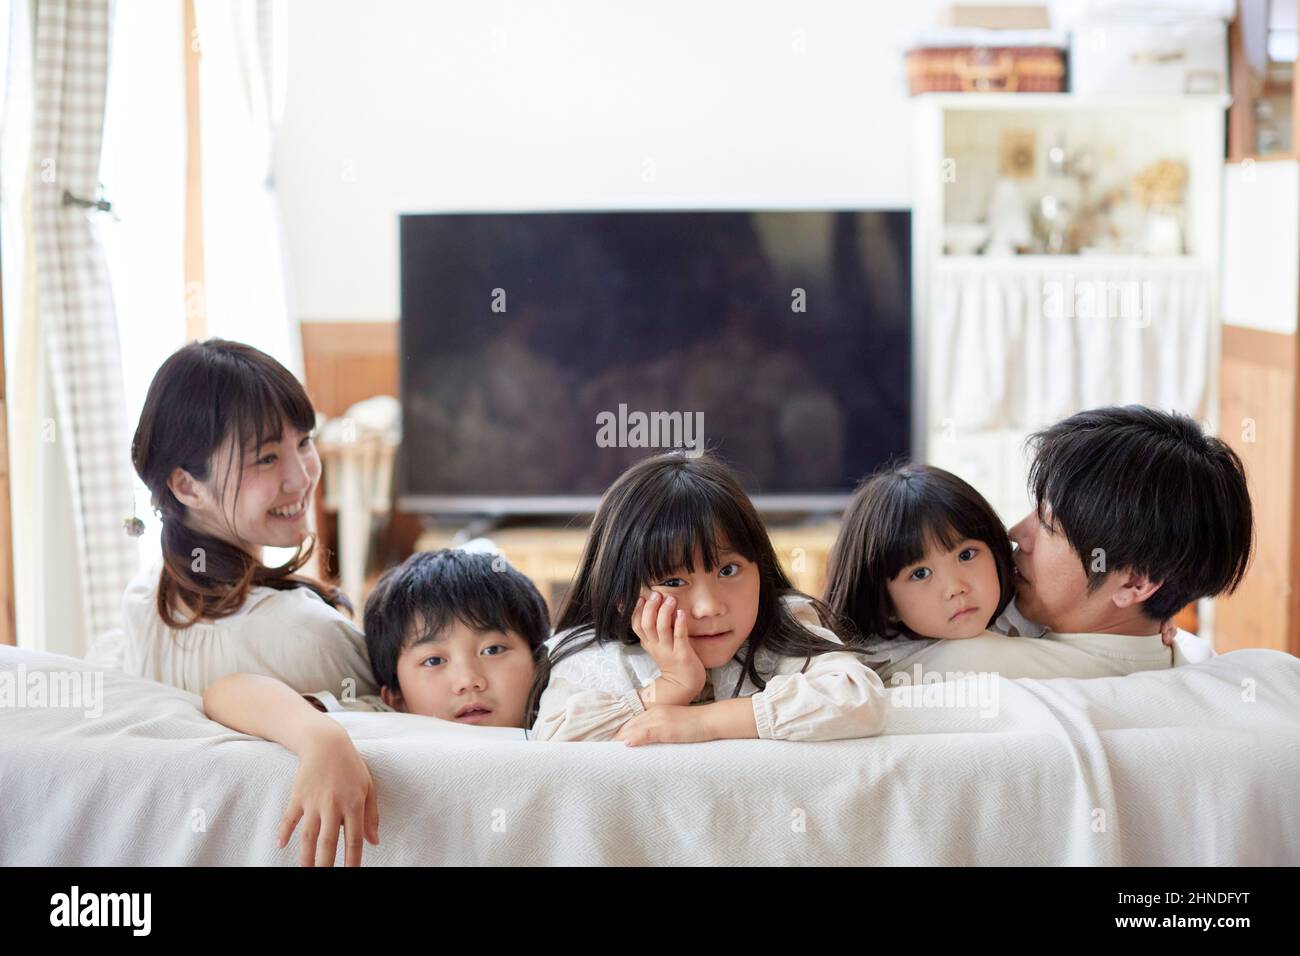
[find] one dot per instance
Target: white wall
(1261, 245)
(406, 106)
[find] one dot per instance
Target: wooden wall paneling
(1258, 376)
(1241, 116)
(344, 363)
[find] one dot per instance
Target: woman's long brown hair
(208, 395)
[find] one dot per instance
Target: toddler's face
(948, 594)
(721, 603)
(466, 676)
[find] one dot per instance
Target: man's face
(1051, 583)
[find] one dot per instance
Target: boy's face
(466, 676)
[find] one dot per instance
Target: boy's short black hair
(424, 593)
(1155, 493)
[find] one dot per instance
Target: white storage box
(1126, 56)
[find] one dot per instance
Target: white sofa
(1199, 765)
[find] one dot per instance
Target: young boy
(450, 634)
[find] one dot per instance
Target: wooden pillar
(1258, 387)
(8, 627)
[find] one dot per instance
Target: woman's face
(721, 603)
(275, 486)
(948, 594)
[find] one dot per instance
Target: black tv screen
(542, 353)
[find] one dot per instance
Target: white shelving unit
(1136, 130)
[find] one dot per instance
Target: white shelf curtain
(1018, 345)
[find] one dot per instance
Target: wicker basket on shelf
(1029, 69)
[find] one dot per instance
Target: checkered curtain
(74, 300)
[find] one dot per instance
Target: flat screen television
(544, 352)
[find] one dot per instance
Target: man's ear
(186, 488)
(392, 698)
(1134, 589)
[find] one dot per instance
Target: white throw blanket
(1199, 765)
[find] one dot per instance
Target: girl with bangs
(921, 556)
(682, 627)
(224, 445)
(922, 560)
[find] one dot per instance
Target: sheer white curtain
(44, 540)
(1017, 344)
(29, 403)
(245, 292)
(71, 491)
(143, 171)
(241, 82)
(1023, 343)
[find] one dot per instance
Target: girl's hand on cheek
(660, 626)
(665, 725)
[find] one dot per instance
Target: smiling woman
(224, 446)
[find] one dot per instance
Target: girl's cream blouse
(825, 697)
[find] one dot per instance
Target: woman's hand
(1167, 632)
(661, 627)
(332, 789)
(666, 724)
